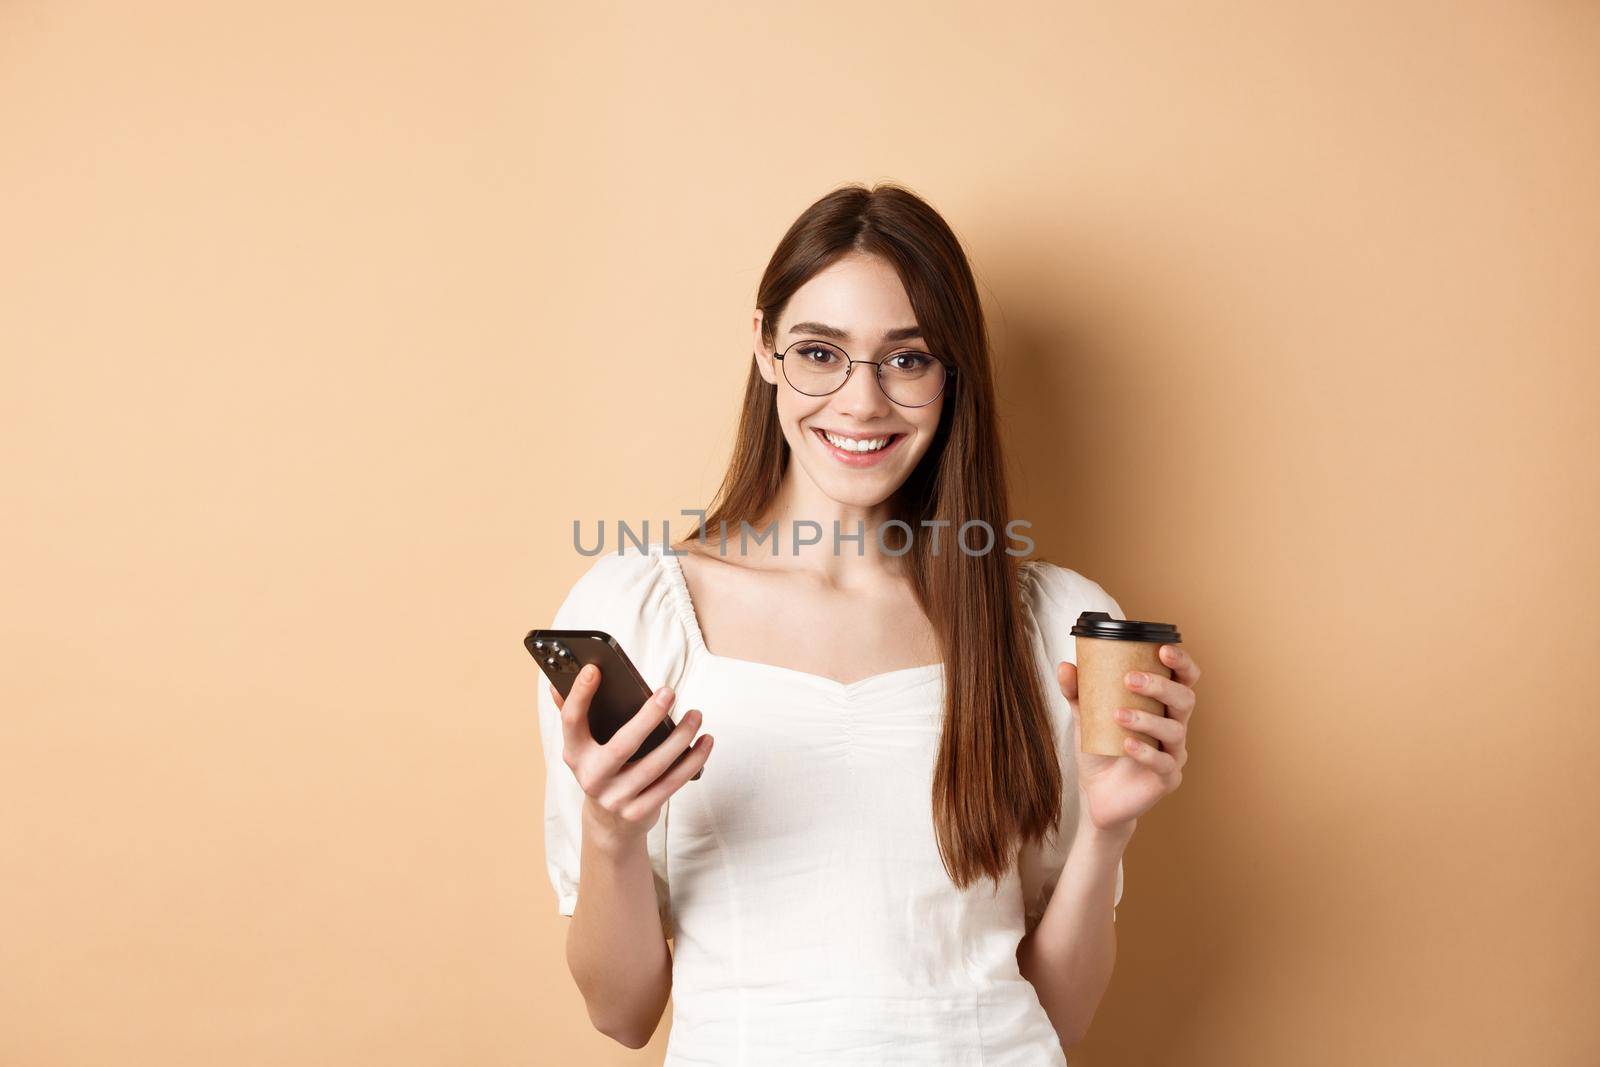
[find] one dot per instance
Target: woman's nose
(860, 395)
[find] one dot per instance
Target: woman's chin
(861, 490)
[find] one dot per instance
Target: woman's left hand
(1115, 790)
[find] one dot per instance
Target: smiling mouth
(853, 446)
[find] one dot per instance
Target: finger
(687, 767)
(647, 768)
(1160, 762)
(1170, 732)
(555, 695)
(1067, 679)
(575, 709)
(1183, 665)
(1178, 697)
(631, 734)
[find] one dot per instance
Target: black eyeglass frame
(877, 373)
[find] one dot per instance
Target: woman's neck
(839, 541)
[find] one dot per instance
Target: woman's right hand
(623, 800)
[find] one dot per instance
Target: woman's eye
(911, 361)
(818, 355)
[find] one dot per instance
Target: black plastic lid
(1102, 625)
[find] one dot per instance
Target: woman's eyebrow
(899, 333)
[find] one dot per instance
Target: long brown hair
(997, 781)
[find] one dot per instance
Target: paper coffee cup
(1107, 650)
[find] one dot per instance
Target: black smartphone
(561, 654)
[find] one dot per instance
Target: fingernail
(587, 674)
(1135, 678)
(1124, 715)
(664, 695)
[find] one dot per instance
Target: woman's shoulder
(617, 573)
(1051, 586)
(627, 593)
(1053, 596)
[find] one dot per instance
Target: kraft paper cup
(1107, 650)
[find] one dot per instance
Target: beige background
(321, 322)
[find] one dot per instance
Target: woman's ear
(764, 365)
(764, 362)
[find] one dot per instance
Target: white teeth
(870, 444)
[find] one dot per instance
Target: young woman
(900, 853)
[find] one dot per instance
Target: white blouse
(812, 918)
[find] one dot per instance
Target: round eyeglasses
(911, 379)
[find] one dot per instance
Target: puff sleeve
(1052, 599)
(628, 597)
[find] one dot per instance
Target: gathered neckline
(684, 605)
